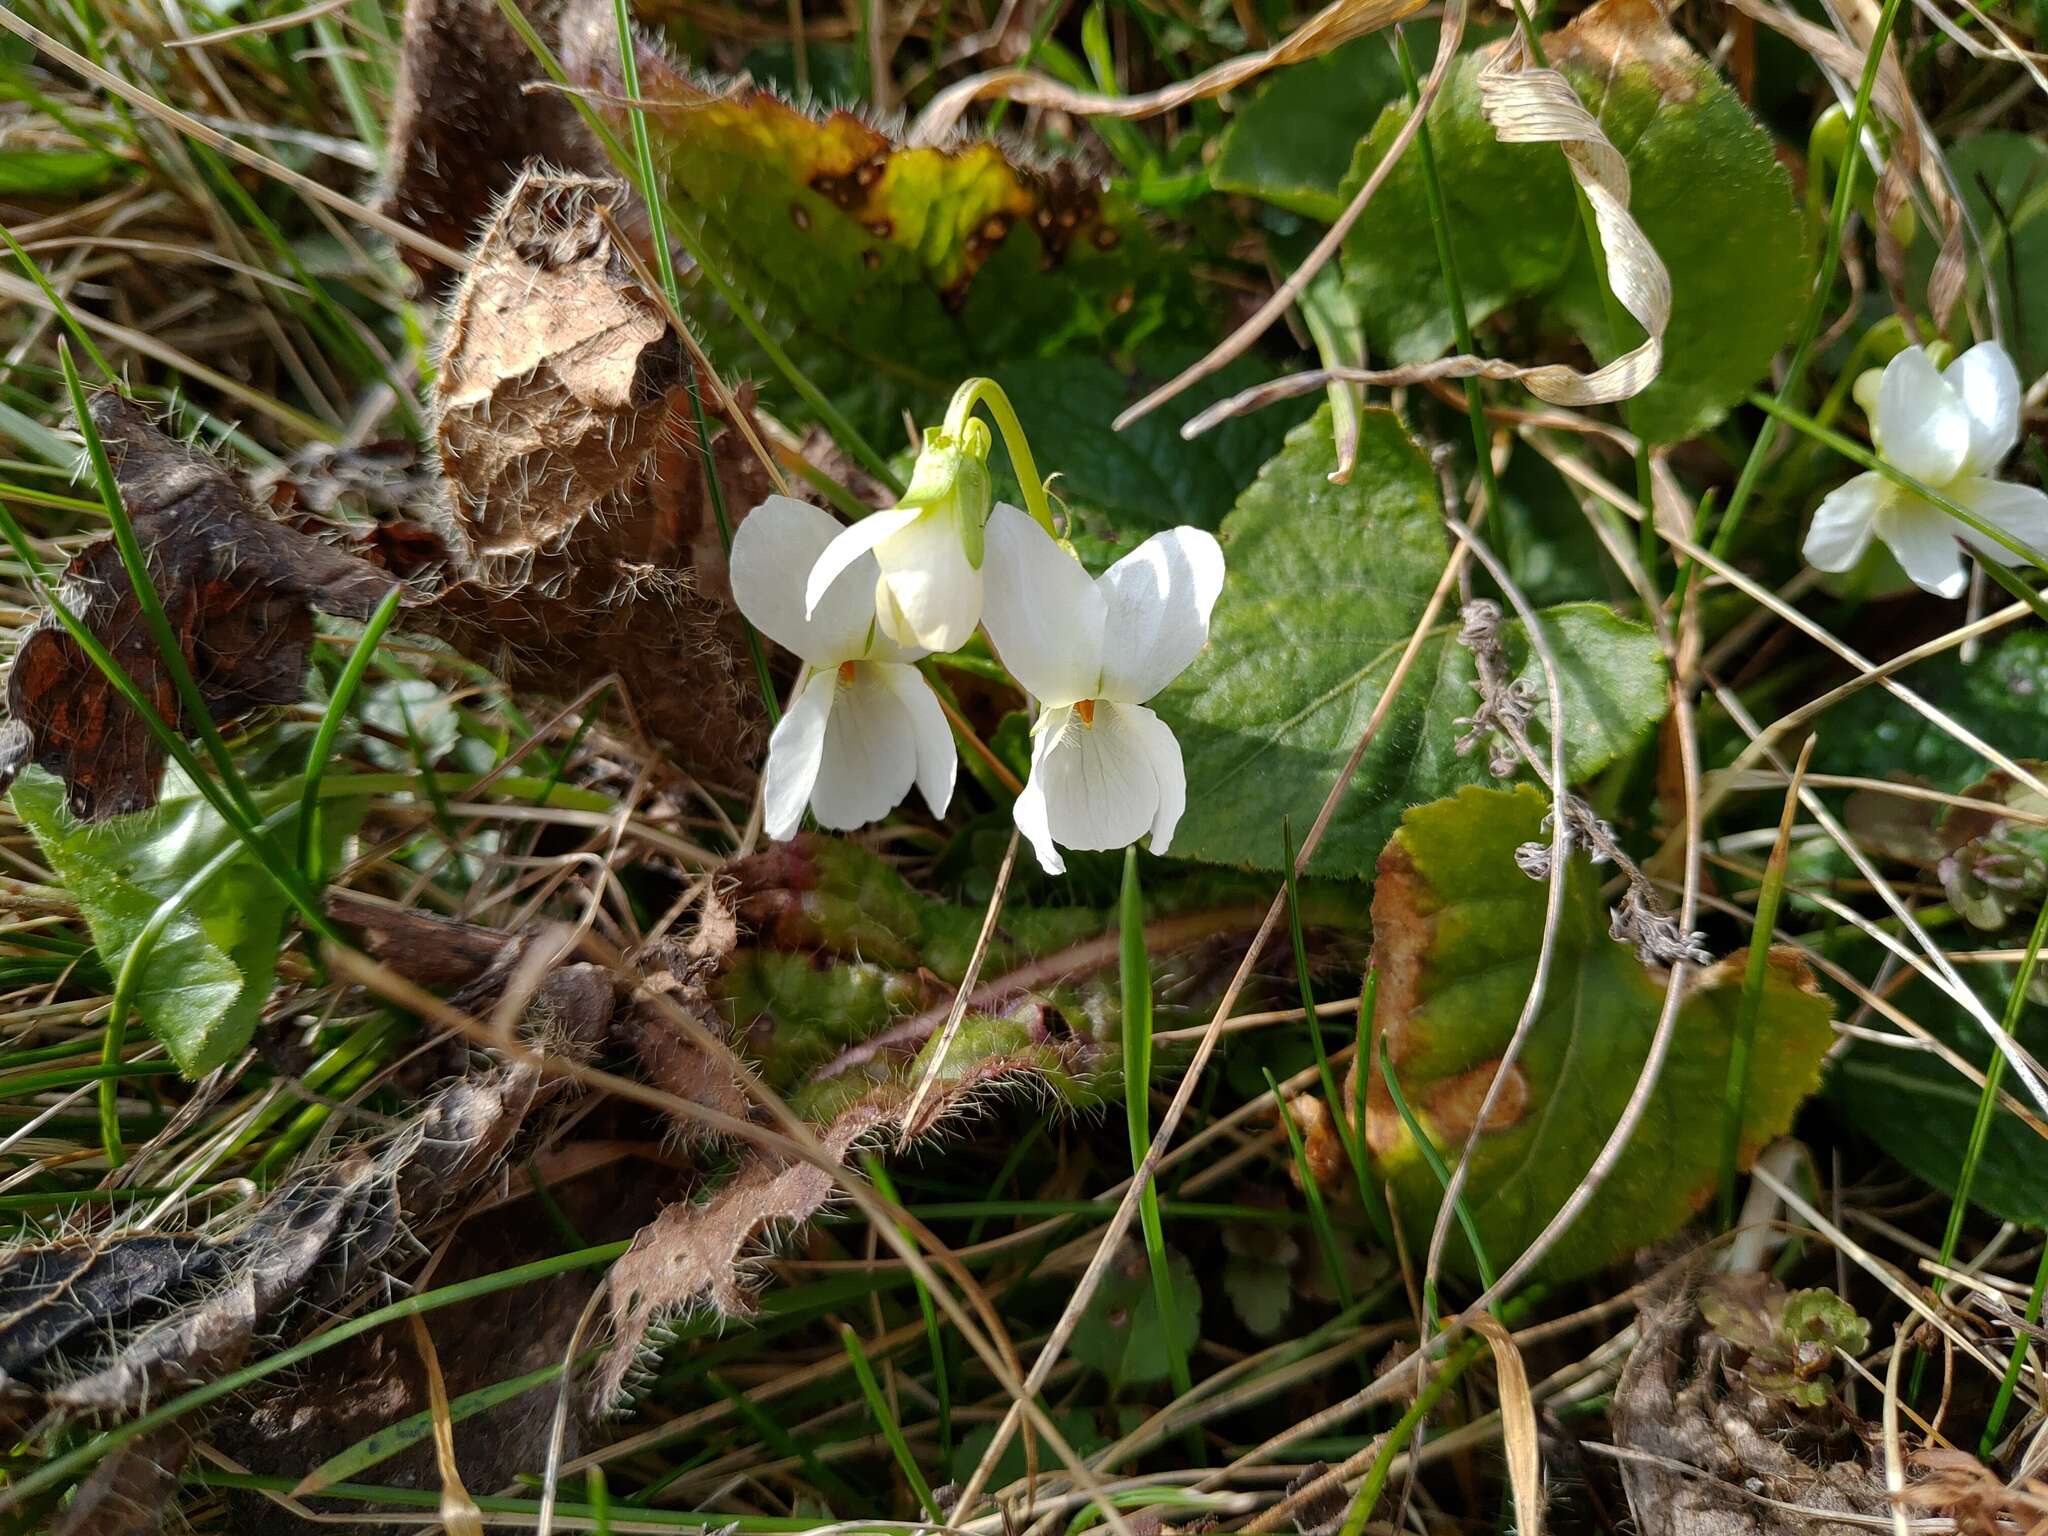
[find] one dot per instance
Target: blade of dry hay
(1335, 24)
(1527, 105)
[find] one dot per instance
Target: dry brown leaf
(164, 1310)
(462, 126)
(238, 589)
(129, 1493)
(696, 1254)
(581, 533)
(1695, 1463)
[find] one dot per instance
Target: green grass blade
(322, 751)
(892, 1431)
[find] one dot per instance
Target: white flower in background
(863, 725)
(1105, 770)
(1950, 431)
(928, 546)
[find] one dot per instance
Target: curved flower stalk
(863, 725)
(1105, 770)
(1950, 430)
(929, 547)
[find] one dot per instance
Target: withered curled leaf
(580, 529)
(239, 591)
(461, 124)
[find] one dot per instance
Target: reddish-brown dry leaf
(239, 591)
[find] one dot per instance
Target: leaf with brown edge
(888, 272)
(1457, 928)
(580, 530)
(239, 591)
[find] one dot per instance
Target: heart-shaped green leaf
(1706, 188)
(1326, 583)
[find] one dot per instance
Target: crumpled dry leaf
(581, 534)
(1958, 1485)
(104, 1322)
(1744, 1478)
(462, 126)
(128, 1493)
(239, 591)
(695, 1254)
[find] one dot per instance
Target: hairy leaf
(1325, 586)
(1706, 189)
(1457, 929)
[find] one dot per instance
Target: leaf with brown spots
(1457, 929)
(889, 273)
(239, 591)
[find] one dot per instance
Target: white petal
(2020, 510)
(1032, 814)
(937, 594)
(870, 758)
(1988, 384)
(1921, 424)
(1844, 522)
(1044, 614)
(931, 737)
(794, 752)
(772, 550)
(847, 546)
(1162, 748)
(1924, 539)
(1159, 599)
(1098, 781)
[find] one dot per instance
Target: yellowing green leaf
(891, 272)
(1457, 929)
(1326, 583)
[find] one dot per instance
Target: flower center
(846, 673)
(1086, 710)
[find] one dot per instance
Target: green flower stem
(1375, 1482)
(1856, 453)
(989, 393)
(1823, 283)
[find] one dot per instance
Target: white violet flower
(863, 725)
(1105, 770)
(928, 547)
(1949, 430)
